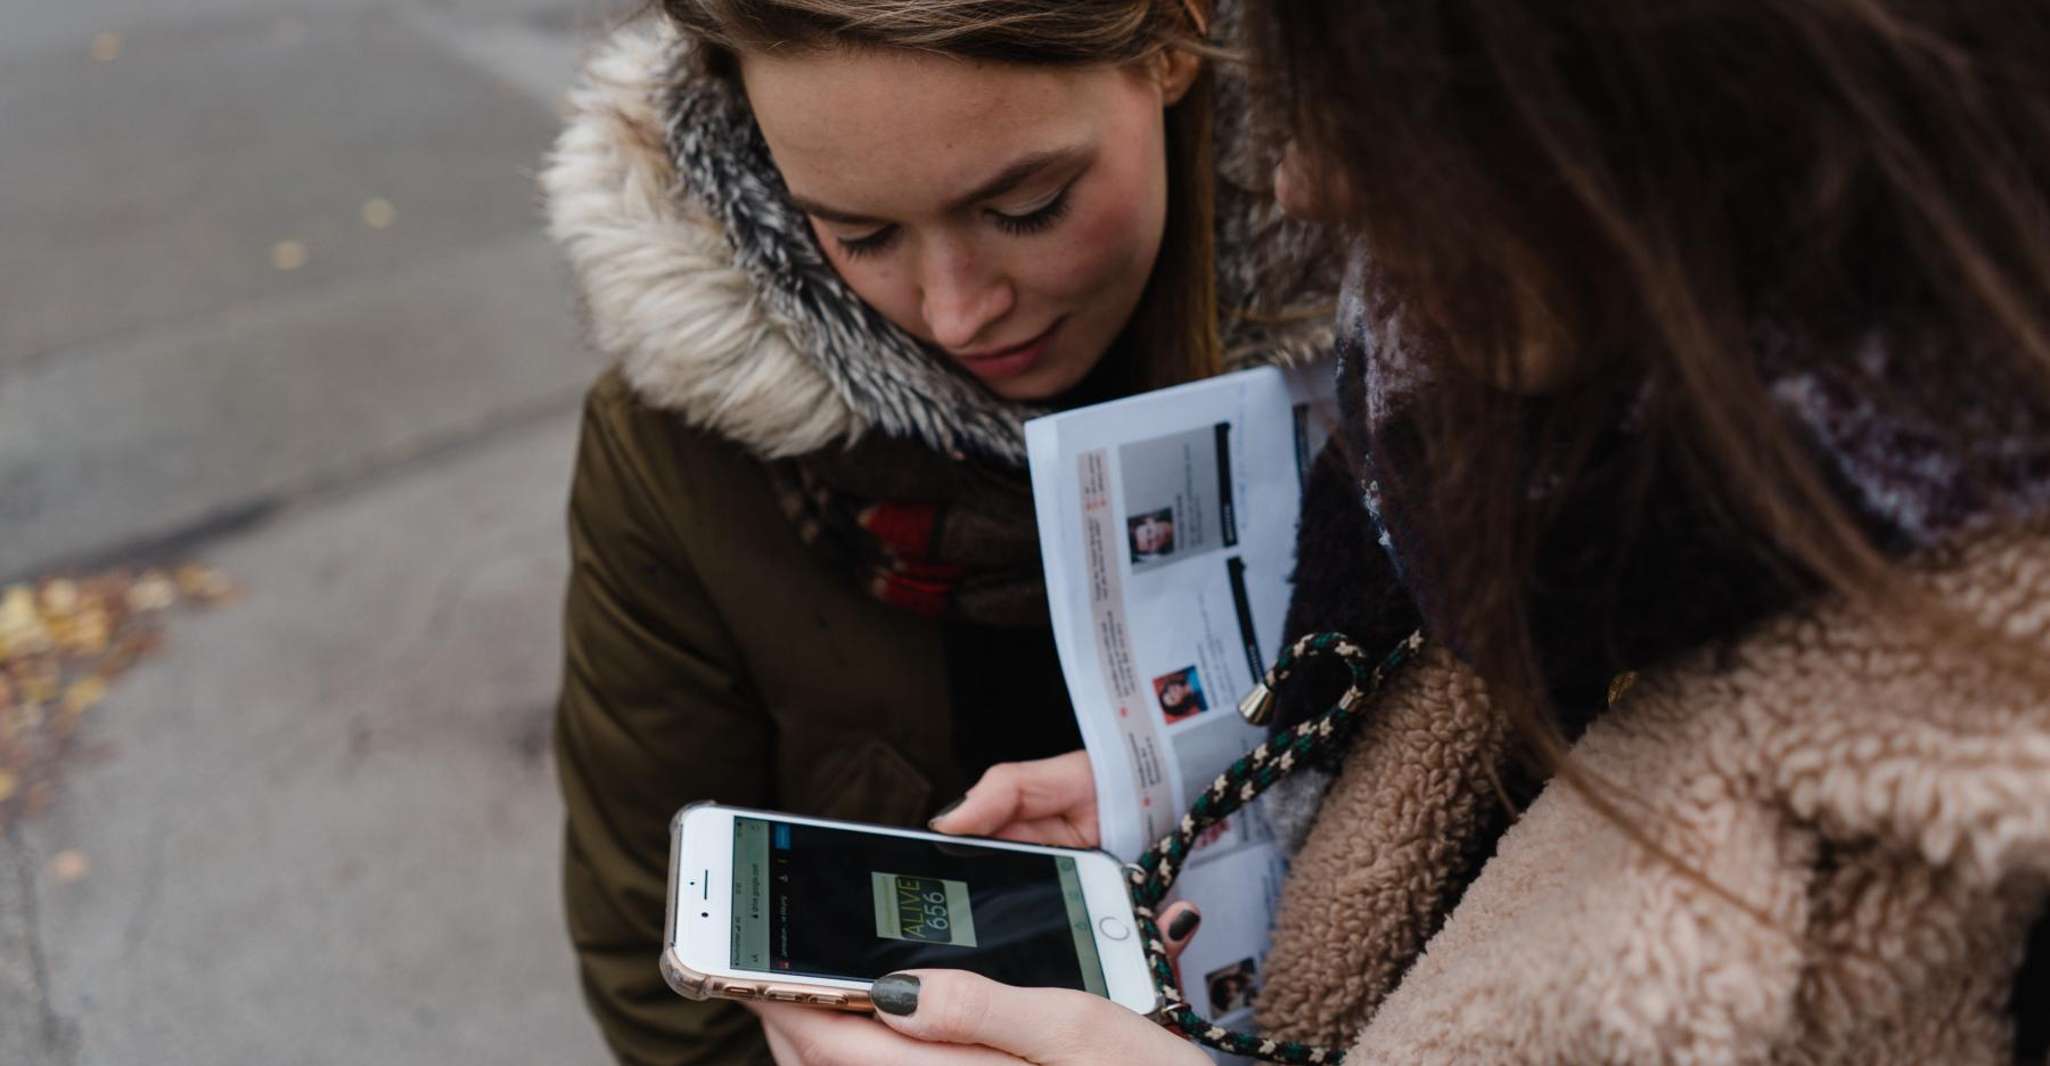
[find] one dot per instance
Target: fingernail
(895, 994)
(947, 810)
(1183, 925)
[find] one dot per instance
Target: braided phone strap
(1154, 874)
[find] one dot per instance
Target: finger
(1060, 832)
(1012, 792)
(1047, 1026)
(1178, 925)
(781, 1047)
(809, 1036)
(1022, 791)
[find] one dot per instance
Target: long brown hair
(1174, 333)
(1603, 200)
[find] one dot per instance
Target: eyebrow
(1005, 180)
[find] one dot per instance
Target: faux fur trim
(698, 275)
(660, 289)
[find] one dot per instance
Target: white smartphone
(807, 910)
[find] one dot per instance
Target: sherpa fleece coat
(1878, 801)
(709, 652)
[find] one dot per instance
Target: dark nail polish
(895, 994)
(1183, 925)
(947, 810)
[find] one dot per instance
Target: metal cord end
(1258, 706)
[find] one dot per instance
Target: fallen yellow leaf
(90, 631)
(21, 626)
(60, 596)
(84, 695)
(204, 584)
(38, 682)
(70, 866)
(153, 591)
(7, 786)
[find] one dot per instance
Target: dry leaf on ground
(63, 642)
(70, 866)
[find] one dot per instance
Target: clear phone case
(691, 984)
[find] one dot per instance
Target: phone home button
(1112, 929)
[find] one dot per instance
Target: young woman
(1700, 354)
(841, 250)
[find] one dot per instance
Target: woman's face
(1151, 536)
(1008, 216)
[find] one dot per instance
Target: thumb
(1049, 1026)
(1011, 793)
(988, 806)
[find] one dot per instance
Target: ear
(1175, 71)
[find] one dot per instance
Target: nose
(962, 297)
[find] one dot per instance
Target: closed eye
(867, 244)
(1038, 220)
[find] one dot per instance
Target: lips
(996, 364)
(1000, 353)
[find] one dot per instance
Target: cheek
(1106, 249)
(881, 282)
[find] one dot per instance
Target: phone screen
(831, 902)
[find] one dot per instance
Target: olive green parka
(710, 653)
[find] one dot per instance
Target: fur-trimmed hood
(697, 274)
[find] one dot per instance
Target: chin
(1036, 387)
(1022, 392)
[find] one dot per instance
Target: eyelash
(1038, 221)
(869, 245)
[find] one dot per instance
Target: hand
(964, 1014)
(810, 1036)
(1048, 801)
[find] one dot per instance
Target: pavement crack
(57, 1036)
(185, 540)
(140, 919)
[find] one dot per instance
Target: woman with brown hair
(841, 250)
(1698, 356)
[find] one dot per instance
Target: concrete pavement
(322, 825)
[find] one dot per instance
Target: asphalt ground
(274, 298)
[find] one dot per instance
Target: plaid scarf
(942, 537)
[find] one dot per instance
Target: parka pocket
(869, 782)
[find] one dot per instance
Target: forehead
(892, 131)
